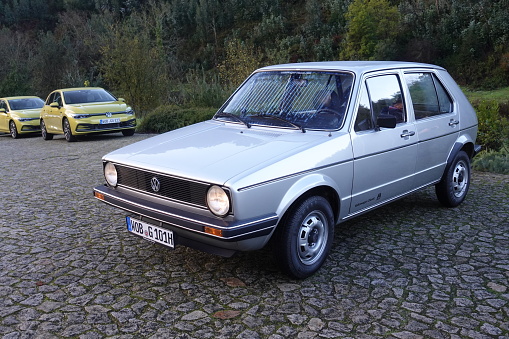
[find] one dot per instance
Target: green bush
(169, 117)
(493, 161)
(493, 127)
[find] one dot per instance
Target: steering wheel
(329, 111)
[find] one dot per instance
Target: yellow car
(87, 110)
(20, 115)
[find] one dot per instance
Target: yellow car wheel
(44, 132)
(13, 130)
(68, 132)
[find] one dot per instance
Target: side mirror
(121, 99)
(54, 105)
(2, 110)
(386, 120)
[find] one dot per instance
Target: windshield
(88, 96)
(26, 103)
(306, 100)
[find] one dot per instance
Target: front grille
(173, 188)
(100, 127)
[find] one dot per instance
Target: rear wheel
(44, 132)
(13, 130)
(453, 188)
(67, 131)
(304, 239)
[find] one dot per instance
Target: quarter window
(429, 97)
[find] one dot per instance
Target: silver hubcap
(312, 237)
(460, 179)
(13, 129)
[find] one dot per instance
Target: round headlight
(217, 201)
(110, 173)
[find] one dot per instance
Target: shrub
(493, 161)
(169, 117)
(493, 128)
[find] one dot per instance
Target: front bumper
(208, 234)
(82, 127)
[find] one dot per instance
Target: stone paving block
(411, 269)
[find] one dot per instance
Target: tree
(372, 28)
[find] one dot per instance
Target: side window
(384, 98)
(364, 120)
(50, 99)
(444, 100)
(3, 105)
(58, 99)
(429, 97)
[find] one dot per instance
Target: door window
(380, 95)
(429, 97)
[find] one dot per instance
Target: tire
(453, 188)
(67, 131)
(13, 130)
(44, 132)
(304, 238)
(128, 132)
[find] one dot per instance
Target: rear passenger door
(436, 123)
(384, 158)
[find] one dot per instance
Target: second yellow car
(79, 111)
(20, 115)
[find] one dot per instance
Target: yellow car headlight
(218, 201)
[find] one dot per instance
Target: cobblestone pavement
(412, 269)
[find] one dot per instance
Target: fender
(303, 185)
(459, 145)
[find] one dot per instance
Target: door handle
(407, 134)
(453, 122)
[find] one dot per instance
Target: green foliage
(493, 129)
(169, 117)
(373, 26)
(493, 161)
(241, 60)
(200, 90)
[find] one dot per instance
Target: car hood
(214, 152)
(98, 107)
(27, 113)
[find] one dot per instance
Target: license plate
(150, 232)
(109, 121)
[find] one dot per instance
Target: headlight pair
(218, 200)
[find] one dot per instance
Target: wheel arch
(315, 185)
(462, 144)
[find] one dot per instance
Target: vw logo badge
(108, 114)
(155, 184)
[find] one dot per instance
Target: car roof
(20, 97)
(76, 89)
(357, 67)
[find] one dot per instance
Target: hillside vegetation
(170, 55)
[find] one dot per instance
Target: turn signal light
(99, 195)
(213, 231)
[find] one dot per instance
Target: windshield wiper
(235, 117)
(282, 119)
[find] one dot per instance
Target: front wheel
(304, 239)
(128, 132)
(13, 130)
(44, 132)
(453, 188)
(68, 132)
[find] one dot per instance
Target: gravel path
(69, 269)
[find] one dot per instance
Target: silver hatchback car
(297, 149)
